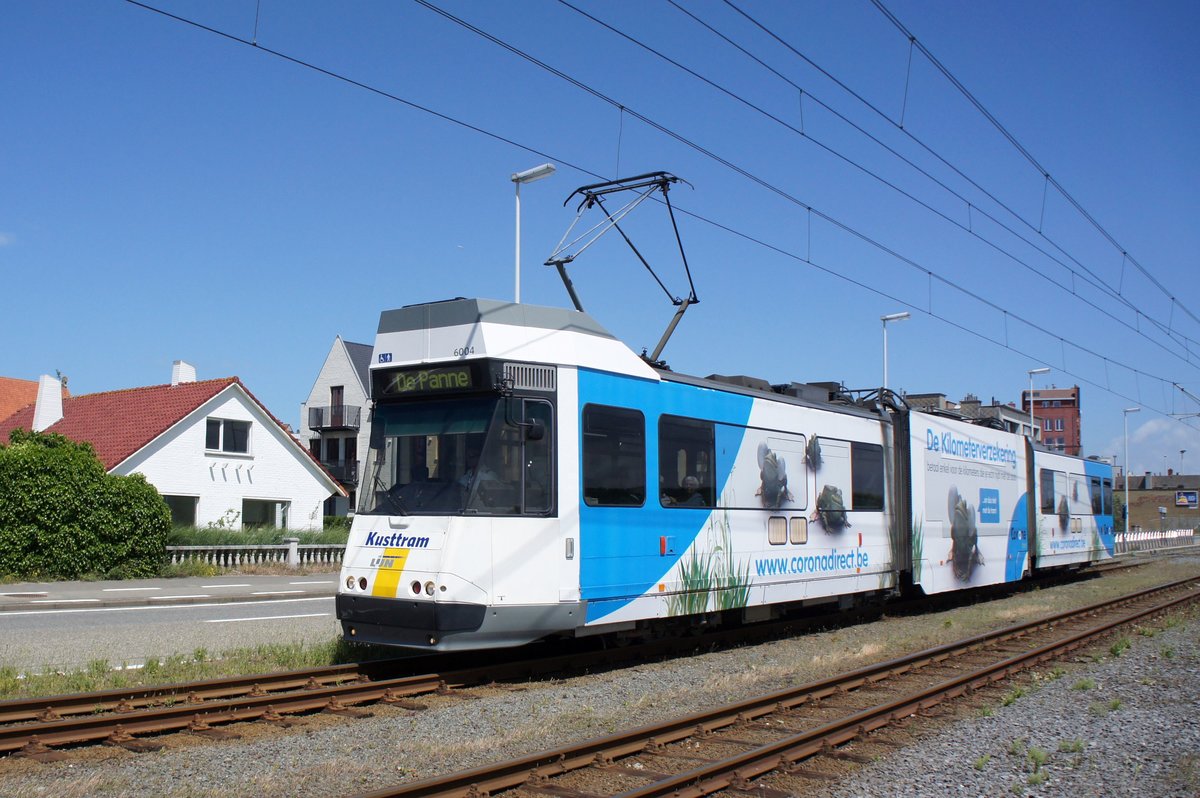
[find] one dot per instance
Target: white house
(334, 418)
(213, 451)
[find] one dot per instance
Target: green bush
(62, 516)
(337, 523)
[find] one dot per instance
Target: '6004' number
(463, 351)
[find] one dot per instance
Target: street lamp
(1181, 452)
(885, 320)
(1031, 372)
(528, 176)
(1127, 411)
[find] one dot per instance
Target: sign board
(1187, 498)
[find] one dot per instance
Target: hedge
(62, 516)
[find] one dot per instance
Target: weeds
(1017, 747)
(1071, 746)
(1119, 647)
(1168, 652)
(982, 761)
(1101, 708)
(1086, 683)
(1011, 697)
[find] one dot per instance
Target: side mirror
(535, 430)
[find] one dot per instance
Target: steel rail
(155, 720)
(724, 774)
(124, 700)
(489, 779)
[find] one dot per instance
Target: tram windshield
(479, 455)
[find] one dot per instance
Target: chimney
(182, 371)
(49, 407)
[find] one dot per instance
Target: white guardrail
(290, 553)
(1142, 539)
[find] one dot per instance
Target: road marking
(24, 595)
(152, 607)
(168, 598)
(276, 592)
(269, 618)
(128, 589)
(313, 583)
(65, 601)
(210, 587)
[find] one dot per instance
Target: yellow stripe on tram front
(387, 578)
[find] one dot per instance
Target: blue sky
(168, 193)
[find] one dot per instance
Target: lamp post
(1031, 372)
(1181, 452)
(885, 320)
(528, 176)
(1127, 411)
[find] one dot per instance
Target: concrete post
(293, 545)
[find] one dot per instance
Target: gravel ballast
(1122, 726)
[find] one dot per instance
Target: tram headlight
(362, 582)
(349, 582)
(430, 588)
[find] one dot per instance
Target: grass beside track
(197, 665)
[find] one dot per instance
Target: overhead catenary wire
(1050, 180)
(1116, 293)
(968, 228)
(682, 139)
(806, 259)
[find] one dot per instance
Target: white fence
(290, 553)
(1142, 539)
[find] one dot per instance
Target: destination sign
(413, 382)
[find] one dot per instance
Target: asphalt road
(71, 633)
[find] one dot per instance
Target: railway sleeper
(740, 784)
(38, 751)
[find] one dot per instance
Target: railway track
(40, 728)
(762, 744)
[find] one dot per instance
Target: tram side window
(1096, 496)
(686, 450)
(1046, 483)
(614, 457)
(866, 476)
(1106, 490)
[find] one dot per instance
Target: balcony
(344, 471)
(335, 417)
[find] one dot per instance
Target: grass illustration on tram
(713, 573)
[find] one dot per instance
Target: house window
(227, 435)
(183, 509)
(1045, 425)
(259, 513)
(1058, 425)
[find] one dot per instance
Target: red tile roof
(120, 423)
(15, 394)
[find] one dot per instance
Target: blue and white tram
(530, 476)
